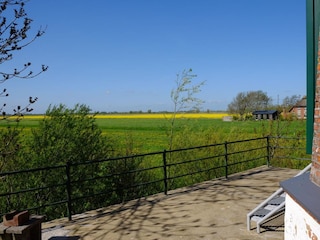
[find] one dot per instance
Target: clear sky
(123, 55)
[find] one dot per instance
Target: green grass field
(130, 136)
(150, 134)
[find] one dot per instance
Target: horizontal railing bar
(49, 205)
(117, 174)
(247, 150)
(248, 160)
(195, 160)
(284, 137)
(31, 170)
(291, 157)
(289, 147)
(192, 173)
(116, 159)
(30, 190)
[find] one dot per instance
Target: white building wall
(299, 225)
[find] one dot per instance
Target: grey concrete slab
(214, 209)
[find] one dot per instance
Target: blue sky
(123, 55)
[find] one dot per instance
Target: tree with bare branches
(15, 26)
(15, 35)
(247, 102)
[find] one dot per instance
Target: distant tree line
(246, 102)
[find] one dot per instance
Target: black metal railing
(76, 187)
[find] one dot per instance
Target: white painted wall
(299, 225)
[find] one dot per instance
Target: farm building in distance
(300, 109)
(265, 114)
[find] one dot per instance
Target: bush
(9, 148)
(68, 135)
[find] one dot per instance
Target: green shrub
(10, 148)
(68, 135)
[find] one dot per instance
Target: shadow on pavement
(211, 210)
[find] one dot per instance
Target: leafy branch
(183, 98)
(14, 36)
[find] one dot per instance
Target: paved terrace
(214, 209)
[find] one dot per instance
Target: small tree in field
(183, 98)
(15, 26)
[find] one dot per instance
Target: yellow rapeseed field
(164, 115)
(215, 115)
(35, 117)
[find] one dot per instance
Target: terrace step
(269, 207)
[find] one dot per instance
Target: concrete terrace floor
(214, 209)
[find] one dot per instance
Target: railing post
(69, 200)
(268, 151)
(226, 158)
(165, 176)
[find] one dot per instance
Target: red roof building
(300, 109)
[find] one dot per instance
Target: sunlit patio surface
(214, 209)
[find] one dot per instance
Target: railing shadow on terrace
(73, 188)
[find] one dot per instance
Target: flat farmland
(148, 132)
